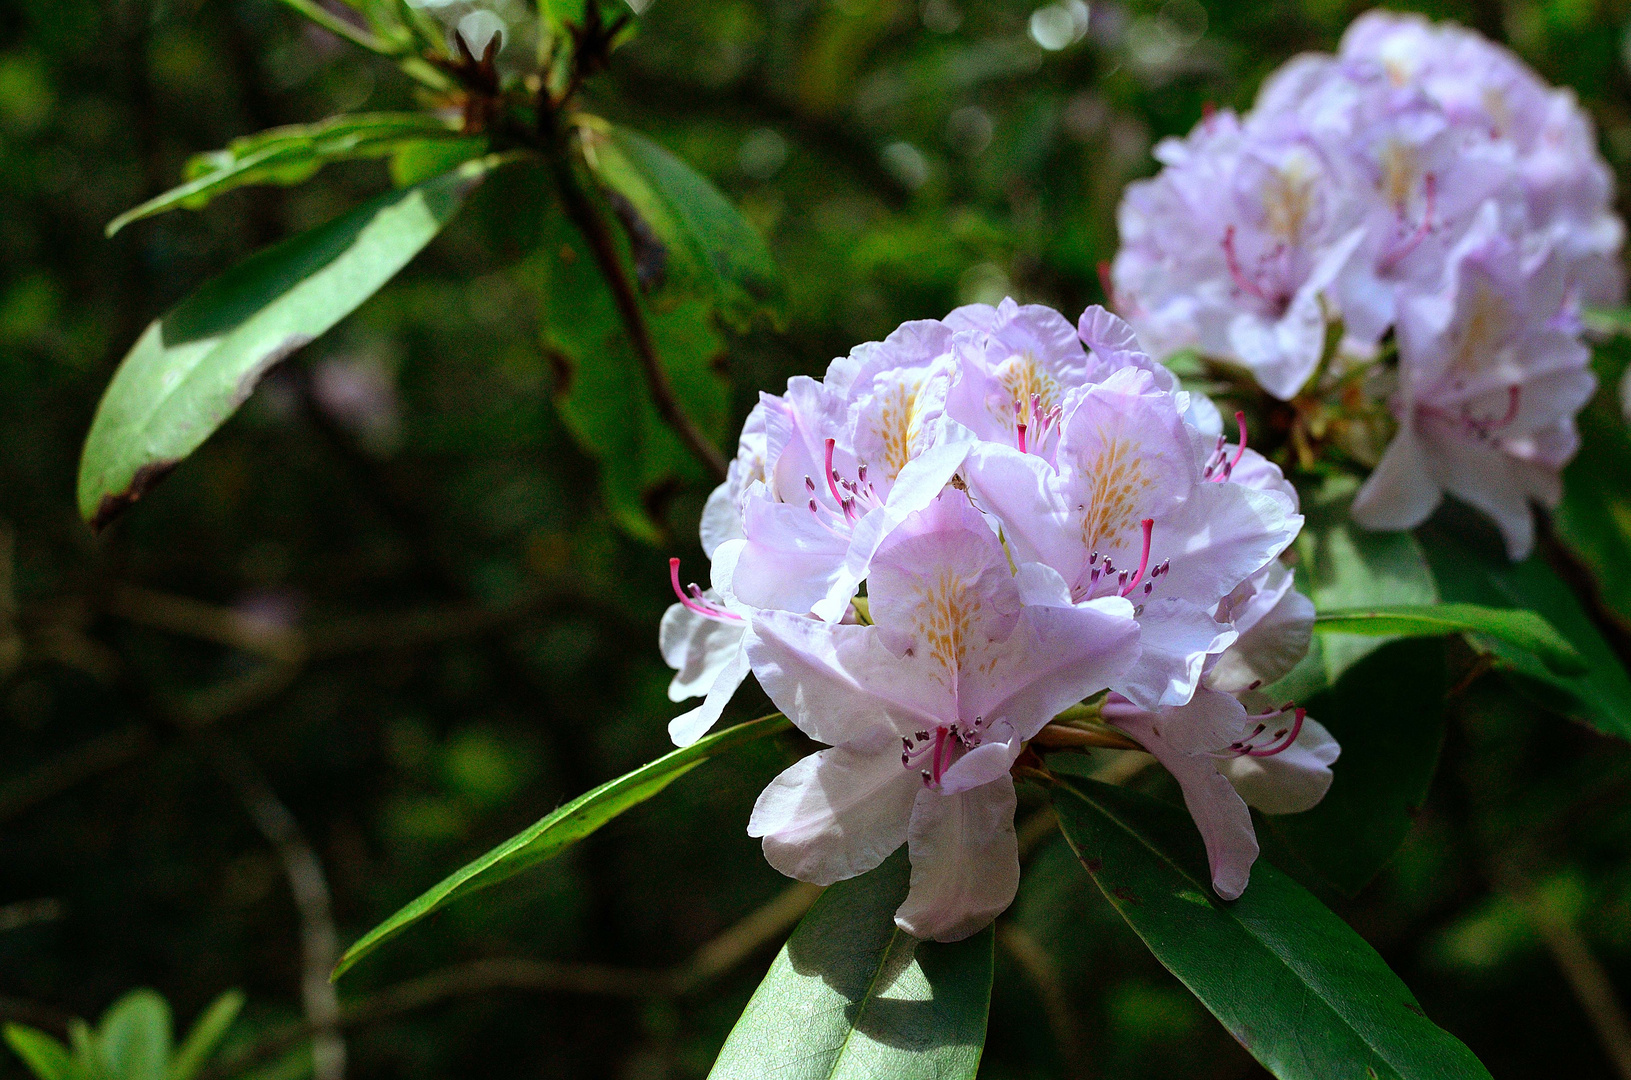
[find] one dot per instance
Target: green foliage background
(425, 462)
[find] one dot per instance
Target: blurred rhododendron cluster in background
(1038, 514)
(1403, 235)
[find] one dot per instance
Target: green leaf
(206, 1035)
(1302, 992)
(698, 225)
(1387, 712)
(195, 366)
(561, 829)
(1594, 519)
(1524, 629)
(133, 1039)
(853, 996)
(601, 390)
(1471, 568)
(1341, 566)
(294, 154)
(45, 1057)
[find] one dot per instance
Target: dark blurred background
(479, 632)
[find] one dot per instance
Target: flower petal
(965, 861)
(838, 683)
(836, 813)
(697, 647)
(1291, 781)
(1276, 628)
(1401, 493)
(687, 728)
(1176, 637)
(1220, 813)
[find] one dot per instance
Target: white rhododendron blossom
(1039, 516)
(1345, 207)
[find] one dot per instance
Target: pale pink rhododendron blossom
(925, 712)
(1139, 504)
(1344, 208)
(1491, 375)
(1038, 514)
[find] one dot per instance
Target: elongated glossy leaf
(853, 997)
(697, 224)
(195, 366)
(1524, 629)
(1291, 981)
(1341, 566)
(1479, 573)
(1387, 712)
(561, 829)
(46, 1058)
(294, 154)
(1594, 520)
(206, 1034)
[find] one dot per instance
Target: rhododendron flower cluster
(1423, 183)
(958, 533)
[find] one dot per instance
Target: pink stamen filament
(695, 601)
(1148, 524)
(939, 745)
(1244, 283)
(832, 480)
(1513, 393)
(1285, 743)
(1413, 241)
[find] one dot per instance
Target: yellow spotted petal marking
(1117, 478)
(1024, 379)
(947, 612)
(1477, 345)
(1288, 198)
(899, 424)
(1400, 173)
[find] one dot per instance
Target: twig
(1037, 965)
(588, 221)
(1580, 967)
(79, 764)
(209, 622)
(713, 959)
(28, 912)
(745, 938)
(318, 941)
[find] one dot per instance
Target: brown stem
(1059, 737)
(587, 219)
(319, 944)
(1580, 967)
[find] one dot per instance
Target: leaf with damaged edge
(853, 997)
(1302, 992)
(1514, 626)
(195, 366)
(688, 214)
(561, 829)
